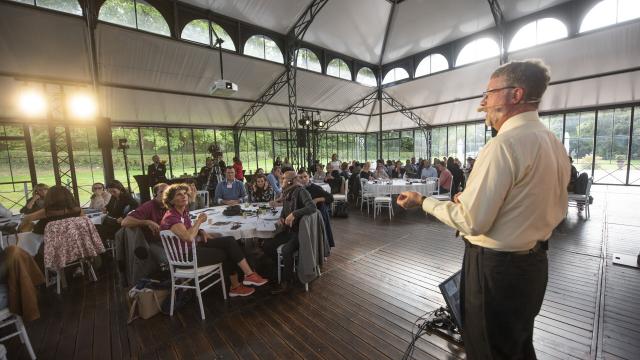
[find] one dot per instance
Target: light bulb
(32, 103)
(82, 106)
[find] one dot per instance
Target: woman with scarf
(297, 203)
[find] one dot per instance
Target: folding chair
(6, 319)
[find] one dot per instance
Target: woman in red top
(211, 250)
(237, 166)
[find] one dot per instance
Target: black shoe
(281, 288)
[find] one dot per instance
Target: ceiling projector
(223, 88)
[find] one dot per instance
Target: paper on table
(266, 226)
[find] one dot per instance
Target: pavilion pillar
(105, 143)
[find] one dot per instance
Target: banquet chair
(68, 242)
(183, 265)
(383, 199)
(436, 181)
(365, 194)
(6, 319)
(281, 265)
(205, 196)
(340, 197)
(581, 200)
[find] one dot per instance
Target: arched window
(199, 31)
(263, 47)
(432, 64)
(134, 13)
(609, 12)
(477, 50)
(68, 6)
(395, 74)
(339, 68)
(538, 32)
(366, 77)
(307, 59)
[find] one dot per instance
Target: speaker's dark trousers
(501, 294)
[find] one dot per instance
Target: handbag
(341, 210)
(145, 299)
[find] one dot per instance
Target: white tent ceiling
(357, 28)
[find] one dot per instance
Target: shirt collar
(519, 120)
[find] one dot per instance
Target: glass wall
(634, 168)
(439, 142)
(578, 139)
(15, 178)
(612, 146)
(87, 159)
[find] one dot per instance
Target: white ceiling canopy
(423, 24)
(276, 15)
(351, 27)
(325, 92)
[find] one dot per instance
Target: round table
(397, 186)
(251, 226)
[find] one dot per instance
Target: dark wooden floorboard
(379, 279)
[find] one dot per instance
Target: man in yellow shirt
(515, 197)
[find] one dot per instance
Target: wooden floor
(380, 278)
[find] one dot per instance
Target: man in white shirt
(514, 199)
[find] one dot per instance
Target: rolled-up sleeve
(483, 197)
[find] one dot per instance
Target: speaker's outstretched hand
(409, 199)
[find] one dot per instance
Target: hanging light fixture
(32, 103)
(82, 106)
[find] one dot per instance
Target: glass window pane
(222, 34)
(338, 68)
(272, 51)
(150, 19)
(202, 138)
(119, 12)
(15, 177)
(579, 138)
(87, 158)
(395, 74)
(133, 155)
(366, 77)
(634, 170)
(68, 6)
(181, 146)
(612, 146)
(197, 31)
(307, 59)
(477, 50)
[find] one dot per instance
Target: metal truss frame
(355, 107)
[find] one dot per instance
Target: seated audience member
(366, 171)
(274, 180)
(211, 250)
(319, 175)
(344, 171)
(297, 203)
(19, 276)
(574, 176)
(260, 171)
(445, 180)
(381, 173)
(398, 171)
(411, 170)
(4, 212)
(230, 191)
(335, 182)
(470, 162)
(100, 197)
(260, 191)
(149, 214)
(237, 166)
(58, 204)
(427, 171)
(277, 162)
(458, 176)
(286, 164)
(119, 205)
(321, 198)
(196, 201)
(36, 202)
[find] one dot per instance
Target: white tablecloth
(251, 226)
(324, 186)
(398, 186)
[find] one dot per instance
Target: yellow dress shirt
(517, 192)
